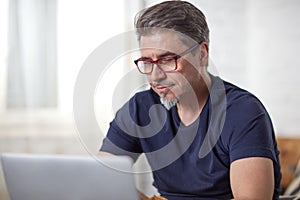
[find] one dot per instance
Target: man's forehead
(159, 41)
(158, 36)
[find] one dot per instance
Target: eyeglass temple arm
(188, 50)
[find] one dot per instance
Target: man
(204, 138)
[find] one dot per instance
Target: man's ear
(203, 47)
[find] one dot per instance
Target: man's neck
(190, 105)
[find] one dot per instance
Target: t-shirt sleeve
(253, 134)
(118, 142)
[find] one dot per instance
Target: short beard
(169, 103)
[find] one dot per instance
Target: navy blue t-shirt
(193, 162)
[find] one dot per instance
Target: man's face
(170, 85)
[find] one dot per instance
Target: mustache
(156, 84)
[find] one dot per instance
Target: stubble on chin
(168, 102)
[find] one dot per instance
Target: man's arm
(252, 178)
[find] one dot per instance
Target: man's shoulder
(237, 96)
(238, 100)
(242, 106)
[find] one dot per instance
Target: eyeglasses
(166, 63)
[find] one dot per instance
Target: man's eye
(148, 62)
(167, 59)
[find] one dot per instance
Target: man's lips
(163, 88)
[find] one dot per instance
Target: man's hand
(144, 197)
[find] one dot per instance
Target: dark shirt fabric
(193, 162)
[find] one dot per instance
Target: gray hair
(179, 16)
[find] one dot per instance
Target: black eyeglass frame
(175, 57)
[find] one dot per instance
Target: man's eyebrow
(168, 53)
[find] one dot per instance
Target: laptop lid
(62, 177)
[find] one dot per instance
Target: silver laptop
(62, 177)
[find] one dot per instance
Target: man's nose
(157, 73)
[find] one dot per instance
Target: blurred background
(44, 43)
